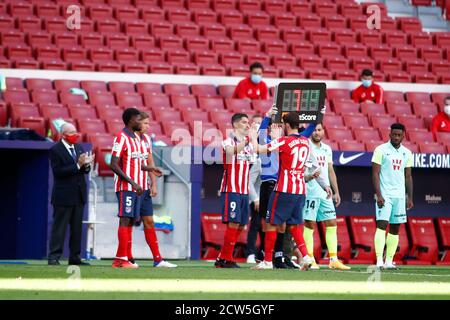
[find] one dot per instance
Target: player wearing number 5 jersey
(391, 172)
(237, 156)
(287, 199)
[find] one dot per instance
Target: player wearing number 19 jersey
(287, 200)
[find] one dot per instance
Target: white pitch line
(227, 286)
(382, 273)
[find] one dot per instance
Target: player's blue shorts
(146, 204)
(235, 208)
(285, 207)
(129, 204)
(394, 210)
(319, 209)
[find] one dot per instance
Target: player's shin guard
(331, 240)
(298, 238)
(229, 242)
(152, 241)
(123, 243)
(130, 243)
(391, 247)
(379, 241)
(308, 236)
(269, 243)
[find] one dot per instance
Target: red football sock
(228, 244)
(123, 242)
(152, 241)
(269, 243)
(298, 237)
(130, 243)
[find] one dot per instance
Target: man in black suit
(69, 165)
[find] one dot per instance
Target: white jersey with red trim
(236, 168)
(294, 152)
(146, 153)
(127, 147)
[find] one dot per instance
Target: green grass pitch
(200, 280)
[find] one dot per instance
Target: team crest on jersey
(372, 94)
(396, 164)
(321, 161)
(232, 214)
(128, 209)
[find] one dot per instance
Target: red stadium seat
(443, 138)
(34, 123)
(102, 99)
(418, 97)
(340, 134)
(94, 86)
(168, 115)
(411, 146)
(177, 89)
(201, 90)
(149, 88)
(261, 106)
(152, 56)
(91, 126)
(38, 84)
(338, 94)
(419, 136)
(362, 230)
(156, 100)
(425, 109)
(184, 102)
(66, 85)
(366, 134)
(372, 144)
(114, 126)
(82, 112)
(333, 121)
(432, 147)
(16, 96)
(14, 83)
(210, 104)
(398, 108)
(346, 145)
(49, 96)
(393, 96)
(111, 114)
(129, 100)
(344, 244)
(68, 98)
(382, 121)
(121, 87)
(347, 106)
(411, 122)
(23, 111)
(424, 244)
(238, 105)
(53, 112)
(372, 108)
(213, 231)
(226, 91)
(355, 120)
(443, 227)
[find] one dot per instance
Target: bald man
(69, 165)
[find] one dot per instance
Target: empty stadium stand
(294, 39)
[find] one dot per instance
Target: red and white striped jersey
(146, 152)
(236, 168)
(127, 147)
(294, 152)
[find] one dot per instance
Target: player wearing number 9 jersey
(237, 156)
(287, 200)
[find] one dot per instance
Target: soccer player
(287, 199)
(269, 177)
(319, 206)
(149, 191)
(126, 163)
(391, 171)
(237, 156)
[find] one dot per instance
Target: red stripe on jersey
(236, 169)
(226, 208)
(293, 154)
(127, 147)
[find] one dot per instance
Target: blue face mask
(256, 78)
(367, 83)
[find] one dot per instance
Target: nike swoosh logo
(345, 160)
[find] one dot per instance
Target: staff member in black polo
(69, 165)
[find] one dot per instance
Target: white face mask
(447, 109)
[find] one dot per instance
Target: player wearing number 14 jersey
(287, 199)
